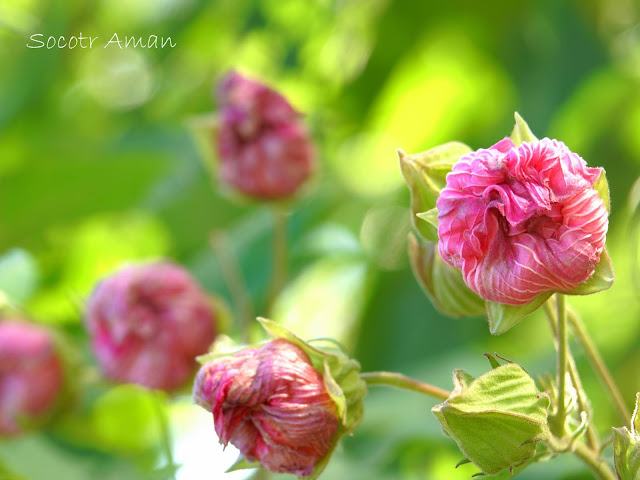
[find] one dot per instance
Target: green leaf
(502, 317)
(602, 187)
(602, 278)
(521, 131)
(497, 419)
(441, 282)
(426, 174)
(18, 276)
(125, 419)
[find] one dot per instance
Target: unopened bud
(497, 418)
(285, 404)
(148, 323)
(264, 149)
(31, 375)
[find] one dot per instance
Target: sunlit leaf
(18, 275)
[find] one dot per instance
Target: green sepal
(492, 360)
(626, 454)
(426, 175)
(431, 217)
(242, 464)
(223, 346)
(502, 317)
(521, 131)
(601, 279)
(626, 447)
(601, 185)
(461, 381)
(441, 282)
(496, 419)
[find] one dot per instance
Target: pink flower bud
(31, 375)
(264, 148)
(271, 404)
(148, 323)
(521, 221)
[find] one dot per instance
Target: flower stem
(279, 258)
(165, 432)
(591, 436)
(234, 280)
(401, 381)
(600, 469)
(598, 365)
(562, 346)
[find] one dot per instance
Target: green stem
(593, 442)
(598, 365)
(234, 280)
(591, 436)
(401, 381)
(562, 345)
(591, 459)
(279, 258)
(165, 432)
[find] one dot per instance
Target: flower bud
(284, 404)
(520, 221)
(626, 448)
(31, 375)
(148, 323)
(264, 149)
(496, 419)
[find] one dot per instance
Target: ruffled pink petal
(271, 404)
(148, 323)
(522, 221)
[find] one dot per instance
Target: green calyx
(441, 282)
(626, 447)
(426, 174)
(496, 419)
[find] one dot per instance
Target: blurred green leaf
(126, 420)
(304, 308)
(18, 276)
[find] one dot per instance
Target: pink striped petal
(521, 221)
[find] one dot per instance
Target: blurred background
(101, 163)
